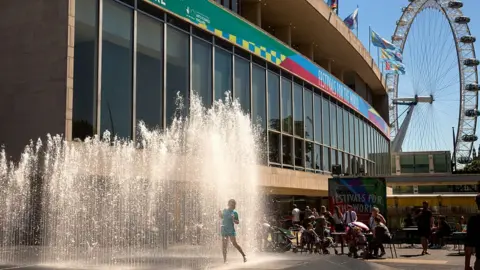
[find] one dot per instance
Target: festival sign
(363, 193)
(221, 23)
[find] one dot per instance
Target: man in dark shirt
(425, 224)
(473, 239)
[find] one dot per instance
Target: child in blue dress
(229, 218)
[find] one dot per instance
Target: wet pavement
(408, 258)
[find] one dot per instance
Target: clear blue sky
(432, 123)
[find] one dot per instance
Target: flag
(395, 67)
(378, 41)
(392, 55)
(352, 20)
(333, 4)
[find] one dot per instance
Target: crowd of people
(320, 226)
(317, 228)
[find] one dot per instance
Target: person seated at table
(443, 230)
(357, 241)
(381, 234)
(323, 233)
(461, 226)
(308, 238)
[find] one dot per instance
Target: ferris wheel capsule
(468, 39)
(464, 160)
(472, 87)
(455, 4)
(472, 113)
(471, 62)
(469, 138)
(462, 20)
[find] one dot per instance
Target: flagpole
(338, 5)
(369, 39)
(357, 21)
(378, 56)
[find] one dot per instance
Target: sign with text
(220, 22)
(363, 193)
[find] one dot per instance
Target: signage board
(363, 193)
(220, 22)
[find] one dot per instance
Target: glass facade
(131, 64)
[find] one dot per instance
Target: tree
(473, 167)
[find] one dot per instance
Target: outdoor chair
(391, 244)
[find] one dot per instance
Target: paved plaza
(408, 258)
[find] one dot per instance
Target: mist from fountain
(116, 202)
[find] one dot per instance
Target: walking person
(425, 225)
(229, 218)
(473, 239)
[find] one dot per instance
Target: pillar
(253, 13)
(258, 14)
(284, 33)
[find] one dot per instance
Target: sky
(433, 123)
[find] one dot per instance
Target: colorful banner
(222, 23)
(380, 42)
(352, 20)
(363, 193)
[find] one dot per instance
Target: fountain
(153, 202)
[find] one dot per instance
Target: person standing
(375, 213)
(295, 215)
(338, 219)
(349, 216)
(308, 212)
(425, 225)
(229, 218)
(473, 239)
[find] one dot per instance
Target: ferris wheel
(440, 89)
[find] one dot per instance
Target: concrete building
(80, 67)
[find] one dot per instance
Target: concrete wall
(34, 52)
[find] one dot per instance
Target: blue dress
(228, 224)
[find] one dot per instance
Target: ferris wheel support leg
(400, 137)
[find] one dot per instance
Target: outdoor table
(410, 235)
(341, 242)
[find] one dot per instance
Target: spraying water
(114, 202)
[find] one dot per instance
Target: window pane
(326, 159)
(273, 101)
(340, 127)
(308, 114)
(116, 114)
(223, 73)
(317, 116)
(340, 161)
(299, 156)
(407, 164)
(333, 124)
(178, 55)
(274, 147)
(357, 136)
(346, 131)
(309, 155)
(287, 106)
(298, 110)
(287, 150)
(318, 157)
(351, 132)
(326, 123)
(360, 138)
(333, 157)
(258, 91)
(365, 140)
(421, 163)
(149, 71)
(85, 67)
(242, 83)
(202, 70)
